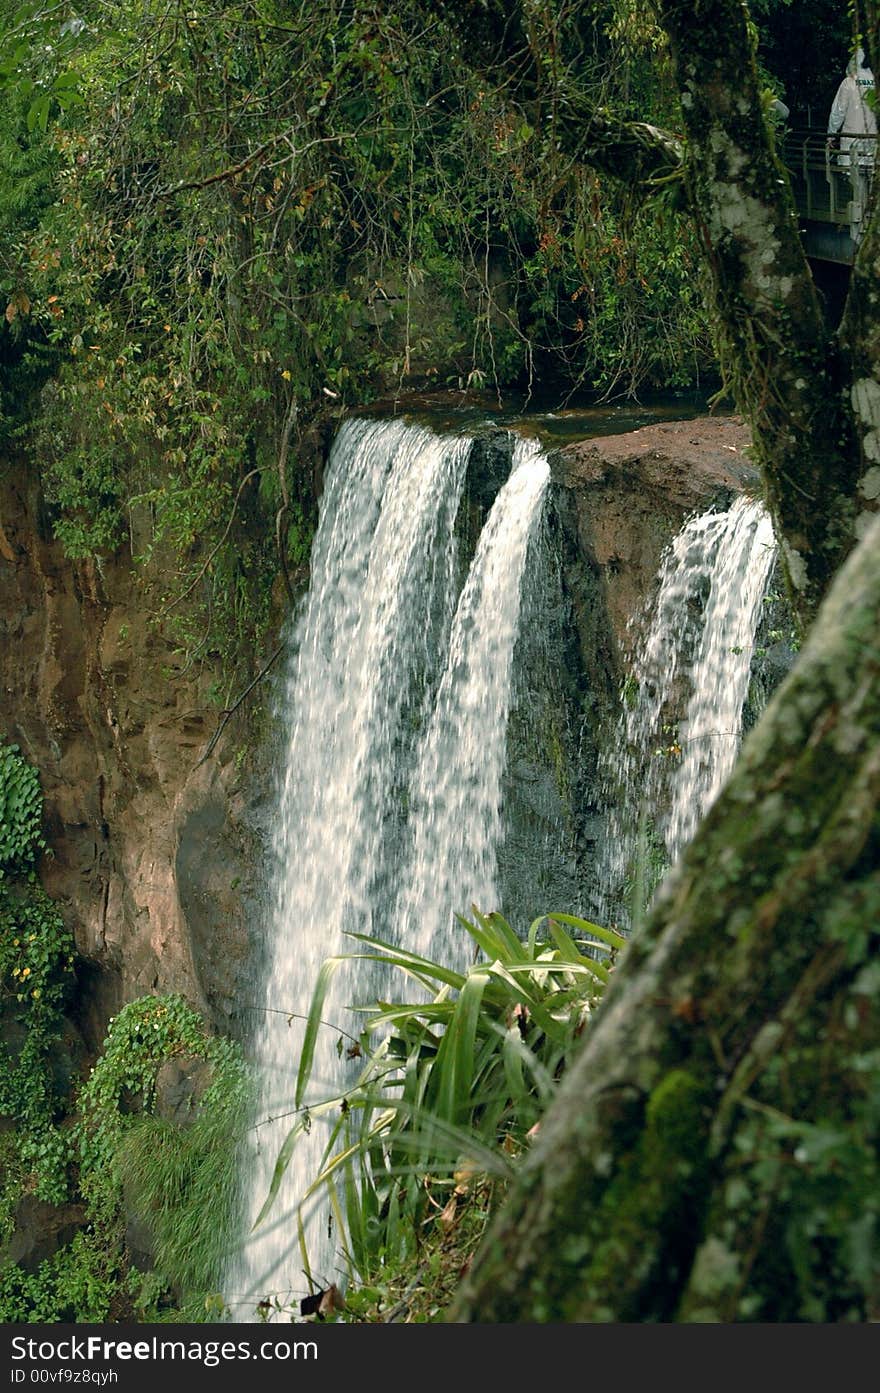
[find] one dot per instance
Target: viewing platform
(829, 186)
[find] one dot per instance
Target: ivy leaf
(38, 112)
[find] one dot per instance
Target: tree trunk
(712, 1152)
(781, 362)
(816, 434)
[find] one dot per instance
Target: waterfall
(456, 790)
(709, 735)
(679, 733)
(390, 803)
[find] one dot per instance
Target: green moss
(675, 1114)
(658, 1191)
(622, 1242)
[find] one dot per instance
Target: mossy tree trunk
(712, 1153)
(781, 360)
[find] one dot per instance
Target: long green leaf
(425, 979)
(303, 1248)
(354, 1212)
(493, 934)
(532, 1064)
(512, 1061)
(567, 948)
(341, 1226)
(403, 958)
(439, 1012)
(569, 952)
(486, 941)
(281, 1165)
(313, 1025)
(454, 1067)
(609, 936)
(505, 933)
(457, 1141)
(520, 993)
(392, 1223)
(362, 1142)
(542, 969)
(532, 939)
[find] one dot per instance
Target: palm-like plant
(456, 1079)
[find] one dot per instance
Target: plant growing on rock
(36, 963)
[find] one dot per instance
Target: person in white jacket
(852, 125)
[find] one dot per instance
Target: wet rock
(139, 1243)
(40, 1230)
(97, 700)
(180, 1086)
(68, 1058)
(218, 870)
(632, 492)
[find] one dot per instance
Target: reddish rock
(93, 694)
(633, 492)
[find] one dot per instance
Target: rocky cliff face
(154, 856)
(157, 858)
(631, 493)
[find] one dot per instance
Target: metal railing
(830, 176)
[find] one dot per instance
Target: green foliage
(216, 262)
(824, 1175)
(35, 49)
(455, 1083)
(84, 485)
(21, 810)
(36, 962)
(180, 1182)
(36, 950)
(640, 311)
(140, 1039)
(78, 1284)
(27, 169)
(184, 1181)
(802, 1172)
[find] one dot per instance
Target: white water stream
(390, 807)
(456, 788)
(695, 657)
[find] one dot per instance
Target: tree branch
(214, 550)
(639, 154)
(227, 715)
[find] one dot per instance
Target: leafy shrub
(140, 1039)
(183, 1182)
(21, 810)
(77, 1283)
(36, 963)
(455, 1083)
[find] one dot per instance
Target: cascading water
(382, 586)
(456, 789)
(709, 735)
(695, 657)
(367, 806)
